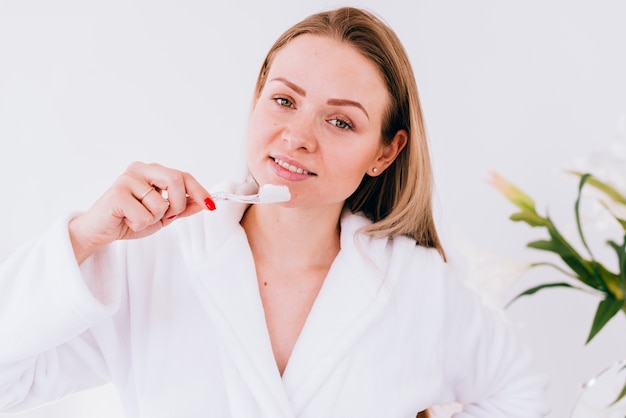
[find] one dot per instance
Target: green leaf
(582, 268)
(546, 246)
(621, 221)
(603, 187)
(554, 266)
(610, 280)
(589, 272)
(621, 394)
(606, 310)
(621, 261)
(535, 289)
(583, 180)
(543, 245)
(531, 218)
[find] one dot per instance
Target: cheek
(260, 126)
(254, 132)
(259, 135)
(251, 144)
(362, 159)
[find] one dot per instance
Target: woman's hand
(144, 199)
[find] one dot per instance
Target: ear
(388, 153)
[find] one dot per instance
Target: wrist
(82, 246)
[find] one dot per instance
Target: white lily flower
(609, 165)
(490, 275)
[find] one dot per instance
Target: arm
(55, 289)
(46, 310)
(491, 372)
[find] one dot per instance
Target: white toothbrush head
(273, 193)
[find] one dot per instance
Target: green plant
(584, 271)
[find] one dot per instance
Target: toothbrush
(268, 193)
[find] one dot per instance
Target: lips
(291, 167)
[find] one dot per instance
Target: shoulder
(397, 256)
(414, 271)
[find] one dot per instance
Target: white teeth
(290, 167)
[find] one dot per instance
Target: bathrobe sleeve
(489, 372)
(46, 310)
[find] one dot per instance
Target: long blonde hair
(398, 201)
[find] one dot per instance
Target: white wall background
(518, 87)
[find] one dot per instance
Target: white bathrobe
(175, 321)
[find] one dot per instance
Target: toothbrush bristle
(272, 193)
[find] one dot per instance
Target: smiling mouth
(292, 168)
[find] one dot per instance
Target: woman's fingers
(197, 197)
(147, 194)
(179, 190)
(141, 201)
(143, 195)
(138, 215)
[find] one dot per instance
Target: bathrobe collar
(350, 298)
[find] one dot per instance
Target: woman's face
(316, 126)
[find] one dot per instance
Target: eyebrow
(346, 102)
(332, 102)
(291, 85)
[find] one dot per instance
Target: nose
(300, 132)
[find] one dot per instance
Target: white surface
(521, 88)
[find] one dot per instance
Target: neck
(293, 238)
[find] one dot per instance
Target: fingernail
(169, 218)
(210, 204)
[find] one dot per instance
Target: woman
(333, 304)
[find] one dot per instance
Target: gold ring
(146, 193)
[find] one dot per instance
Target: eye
(282, 101)
(341, 123)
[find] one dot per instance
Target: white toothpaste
(273, 193)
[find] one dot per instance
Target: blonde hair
(398, 201)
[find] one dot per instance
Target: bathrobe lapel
(224, 278)
(350, 299)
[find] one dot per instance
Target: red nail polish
(210, 204)
(169, 218)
